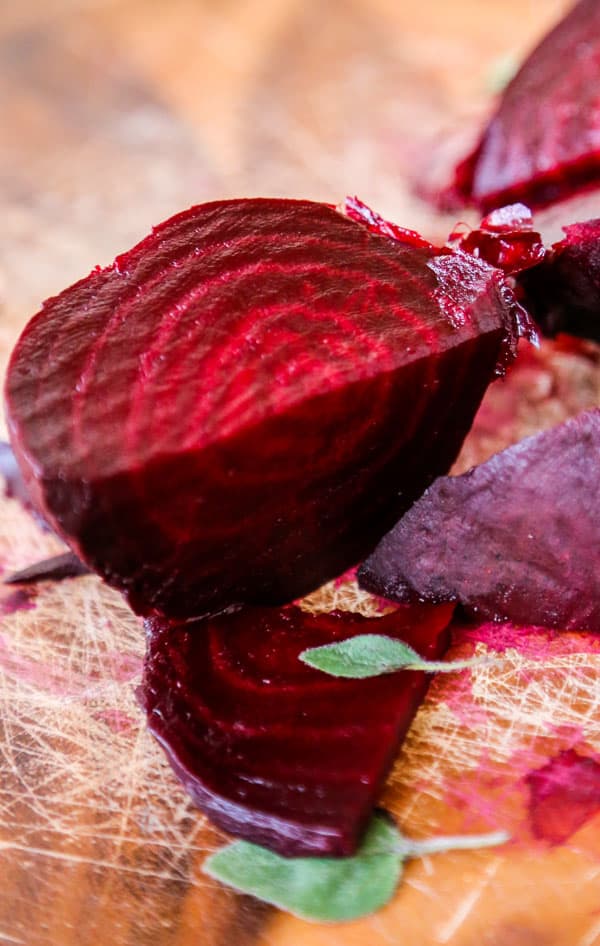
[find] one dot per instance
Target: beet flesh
(238, 408)
(505, 239)
(543, 142)
(563, 293)
(274, 751)
(516, 539)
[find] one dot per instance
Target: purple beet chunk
(515, 539)
(277, 752)
(56, 568)
(563, 292)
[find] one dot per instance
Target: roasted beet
(505, 238)
(517, 538)
(237, 409)
(273, 750)
(563, 294)
(544, 140)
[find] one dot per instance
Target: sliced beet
(274, 751)
(238, 408)
(563, 293)
(543, 142)
(517, 538)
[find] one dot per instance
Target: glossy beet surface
(563, 293)
(505, 238)
(544, 140)
(238, 408)
(273, 750)
(517, 538)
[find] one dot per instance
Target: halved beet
(517, 538)
(543, 143)
(563, 293)
(238, 408)
(274, 751)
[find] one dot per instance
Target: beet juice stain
(563, 796)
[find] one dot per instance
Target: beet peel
(515, 539)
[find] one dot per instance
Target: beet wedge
(543, 142)
(272, 750)
(239, 408)
(563, 293)
(515, 539)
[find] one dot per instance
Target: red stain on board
(563, 795)
(534, 643)
(20, 600)
(116, 720)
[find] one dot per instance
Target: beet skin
(238, 408)
(517, 538)
(273, 750)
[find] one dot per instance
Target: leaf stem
(457, 842)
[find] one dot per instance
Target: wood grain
(114, 115)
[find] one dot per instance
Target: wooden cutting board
(116, 113)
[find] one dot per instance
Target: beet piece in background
(543, 142)
(238, 408)
(273, 750)
(563, 293)
(515, 539)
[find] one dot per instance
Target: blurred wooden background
(115, 114)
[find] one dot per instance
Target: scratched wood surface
(114, 114)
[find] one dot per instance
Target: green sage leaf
(370, 655)
(325, 889)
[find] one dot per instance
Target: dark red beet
(543, 143)
(273, 750)
(564, 794)
(505, 238)
(563, 294)
(238, 408)
(517, 538)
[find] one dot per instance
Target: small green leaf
(370, 655)
(325, 889)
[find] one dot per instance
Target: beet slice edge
(272, 750)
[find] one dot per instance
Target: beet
(543, 142)
(563, 294)
(238, 408)
(505, 239)
(274, 751)
(517, 538)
